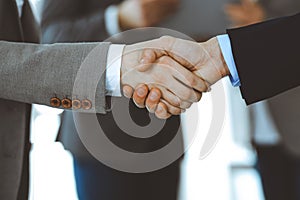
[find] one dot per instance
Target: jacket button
(86, 104)
(76, 104)
(55, 102)
(66, 103)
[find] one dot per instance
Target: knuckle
(166, 38)
(175, 111)
(164, 60)
(176, 101)
(159, 115)
(193, 81)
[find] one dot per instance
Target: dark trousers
(96, 181)
(280, 173)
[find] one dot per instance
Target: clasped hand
(168, 74)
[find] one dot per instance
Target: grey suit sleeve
(33, 73)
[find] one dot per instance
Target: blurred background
(251, 159)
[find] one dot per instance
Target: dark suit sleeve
(267, 56)
(74, 20)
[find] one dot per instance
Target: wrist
(213, 48)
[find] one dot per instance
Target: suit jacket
(86, 23)
(32, 73)
(284, 108)
(268, 64)
(81, 21)
(267, 57)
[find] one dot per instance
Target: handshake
(168, 74)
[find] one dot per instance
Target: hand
(179, 87)
(204, 59)
(143, 13)
(154, 103)
(246, 13)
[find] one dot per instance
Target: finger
(162, 111)
(198, 96)
(184, 75)
(127, 91)
(182, 61)
(180, 83)
(140, 95)
(155, 50)
(170, 97)
(162, 47)
(174, 100)
(190, 79)
(185, 105)
(172, 109)
(184, 93)
(148, 57)
(187, 53)
(153, 100)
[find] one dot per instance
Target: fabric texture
(94, 179)
(267, 57)
(32, 73)
(35, 73)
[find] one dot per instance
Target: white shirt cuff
(111, 18)
(225, 45)
(114, 61)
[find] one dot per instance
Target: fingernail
(159, 109)
(126, 95)
(153, 96)
(177, 101)
(143, 61)
(140, 92)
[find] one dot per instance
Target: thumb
(148, 57)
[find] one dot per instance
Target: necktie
(29, 25)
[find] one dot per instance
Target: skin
(205, 60)
(179, 86)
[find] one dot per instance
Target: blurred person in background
(96, 20)
(275, 122)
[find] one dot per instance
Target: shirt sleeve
(114, 61)
(111, 18)
(225, 46)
